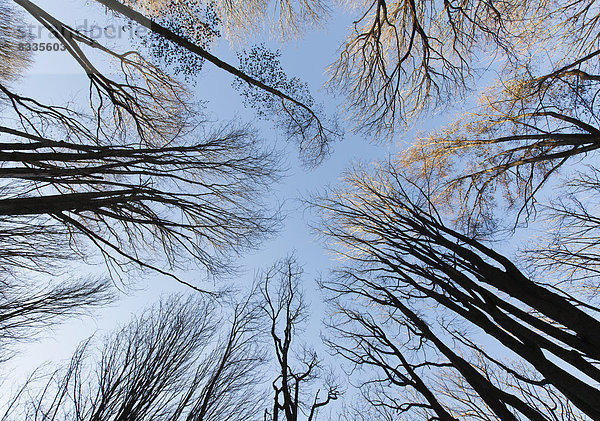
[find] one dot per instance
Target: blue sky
(55, 77)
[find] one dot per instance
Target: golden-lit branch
(405, 57)
(524, 133)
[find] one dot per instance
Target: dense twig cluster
(435, 322)
(176, 361)
(407, 260)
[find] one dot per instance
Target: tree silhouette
(141, 174)
(405, 260)
(176, 361)
(525, 132)
(301, 122)
(283, 304)
(28, 309)
(403, 58)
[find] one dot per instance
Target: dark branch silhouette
(406, 259)
(286, 310)
(177, 361)
(29, 309)
(304, 123)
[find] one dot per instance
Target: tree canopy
(465, 279)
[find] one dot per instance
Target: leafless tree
(131, 100)
(568, 249)
(300, 121)
(401, 57)
(177, 361)
(142, 174)
(286, 310)
(28, 308)
(132, 201)
(405, 261)
(405, 57)
(527, 129)
(545, 397)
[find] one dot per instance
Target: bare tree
(285, 307)
(516, 382)
(132, 202)
(28, 308)
(568, 249)
(405, 260)
(177, 361)
(527, 129)
(125, 96)
(300, 121)
(141, 175)
(405, 57)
